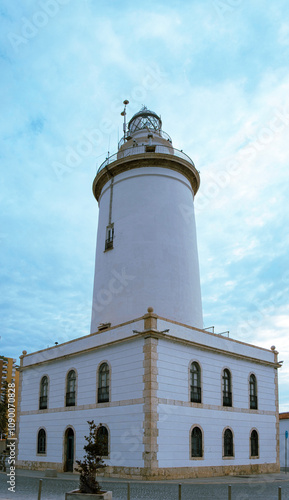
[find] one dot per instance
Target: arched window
(103, 383)
(102, 439)
(253, 392)
(70, 388)
(228, 443)
(227, 388)
(196, 442)
(196, 394)
(43, 393)
(41, 442)
(254, 444)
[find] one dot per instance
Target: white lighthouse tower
(146, 252)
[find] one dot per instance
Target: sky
(217, 71)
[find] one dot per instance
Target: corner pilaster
(150, 424)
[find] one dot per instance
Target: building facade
(171, 399)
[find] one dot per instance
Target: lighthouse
(148, 373)
(146, 253)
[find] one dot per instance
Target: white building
(171, 399)
(284, 433)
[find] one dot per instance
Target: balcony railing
(103, 394)
(137, 150)
(196, 395)
(109, 244)
(227, 398)
(253, 402)
(43, 402)
(159, 133)
(70, 399)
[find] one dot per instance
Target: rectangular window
(109, 237)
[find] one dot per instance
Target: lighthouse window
(254, 443)
(196, 443)
(195, 383)
(70, 388)
(253, 392)
(228, 443)
(43, 393)
(109, 237)
(102, 439)
(227, 388)
(103, 383)
(41, 442)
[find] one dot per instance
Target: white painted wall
(155, 245)
(124, 420)
(176, 420)
(174, 440)
(125, 429)
(124, 417)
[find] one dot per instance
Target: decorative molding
(175, 402)
(125, 402)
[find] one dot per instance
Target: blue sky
(217, 72)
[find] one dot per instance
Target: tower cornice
(159, 160)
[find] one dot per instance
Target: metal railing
(253, 402)
(103, 394)
(42, 402)
(195, 395)
(70, 399)
(156, 133)
(227, 398)
(136, 150)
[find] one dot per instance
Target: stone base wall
(189, 472)
(165, 473)
(28, 464)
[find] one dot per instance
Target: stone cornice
(146, 160)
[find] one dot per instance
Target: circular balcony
(144, 149)
(154, 155)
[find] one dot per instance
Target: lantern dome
(144, 119)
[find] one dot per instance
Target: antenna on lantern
(123, 113)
